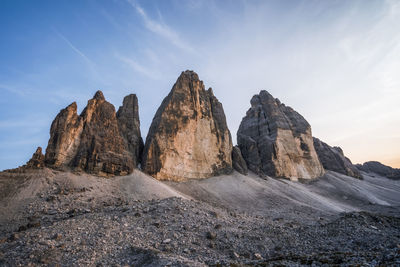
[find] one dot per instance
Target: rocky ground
(51, 218)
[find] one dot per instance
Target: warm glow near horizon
(335, 62)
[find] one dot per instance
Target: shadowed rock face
(379, 168)
(188, 137)
(95, 141)
(129, 127)
(333, 159)
(238, 162)
(275, 140)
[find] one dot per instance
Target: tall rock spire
(93, 141)
(129, 126)
(188, 137)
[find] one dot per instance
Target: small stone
(167, 241)
(52, 212)
(125, 209)
(14, 237)
(57, 236)
(258, 256)
(33, 224)
(71, 211)
(214, 214)
(22, 228)
(211, 235)
(218, 226)
(50, 198)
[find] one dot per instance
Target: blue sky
(335, 62)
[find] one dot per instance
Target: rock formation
(95, 141)
(275, 140)
(37, 160)
(129, 127)
(238, 162)
(332, 158)
(380, 169)
(188, 137)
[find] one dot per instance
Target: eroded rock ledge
(380, 169)
(333, 159)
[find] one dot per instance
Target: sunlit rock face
(95, 141)
(333, 159)
(276, 141)
(188, 137)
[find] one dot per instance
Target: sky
(335, 62)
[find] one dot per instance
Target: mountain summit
(276, 140)
(188, 137)
(96, 141)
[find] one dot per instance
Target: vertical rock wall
(188, 137)
(275, 140)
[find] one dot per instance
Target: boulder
(94, 141)
(188, 137)
(333, 159)
(276, 141)
(380, 169)
(238, 162)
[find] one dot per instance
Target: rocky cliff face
(332, 158)
(188, 137)
(129, 127)
(238, 162)
(95, 141)
(379, 168)
(275, 140)
(37, 160)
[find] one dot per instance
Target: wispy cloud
(14, 90)
(90, 64)
(161, 28)
(73, 47)
(136, 66)
(28, 122)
